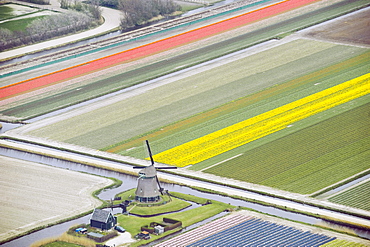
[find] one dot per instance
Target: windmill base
(147, 199)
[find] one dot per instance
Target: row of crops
(244, 230)
(288, 110)
(341, 243)
(94, 84)
(264, 124)
(307, 160)
(256, 232)
(358, 197)
(302, 156)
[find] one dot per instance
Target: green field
(245, 107)
(298, 157)
(342, 243)
(307, 160)
(19, 25)
(358, 197)
(107, 126)
(87, 87)
(6, 12)
(11, 11)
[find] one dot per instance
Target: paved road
(111, 17)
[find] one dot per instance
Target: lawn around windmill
(173, 205)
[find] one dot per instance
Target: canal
(129, 182)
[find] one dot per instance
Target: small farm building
(103, 219)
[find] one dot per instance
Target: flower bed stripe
(264, 124)
(151, 48)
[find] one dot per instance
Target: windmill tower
(148, 187)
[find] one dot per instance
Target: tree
(95, 9)
(138, 12)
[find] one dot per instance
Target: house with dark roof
(102, 219)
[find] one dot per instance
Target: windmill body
(148, 188)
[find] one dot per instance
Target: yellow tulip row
(264, 124)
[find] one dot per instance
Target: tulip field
(264, 124)
(289, 114)
(151, 48)
(307, 160)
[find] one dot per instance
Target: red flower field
(151, 48)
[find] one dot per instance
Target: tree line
(84, 16)
(139, 12)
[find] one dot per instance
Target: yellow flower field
(264, 124)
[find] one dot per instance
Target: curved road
(112, 19)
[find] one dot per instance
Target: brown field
(352, 29)
(35, 195)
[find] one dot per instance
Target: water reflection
(8, 126)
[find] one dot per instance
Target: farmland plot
(358, 197)
(303, 161)
(264, 124)
(63, 92)
(35, 195)
(10, 10)
(243, 108)
(199, 91)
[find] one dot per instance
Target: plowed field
(41, 195)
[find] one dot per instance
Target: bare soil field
(35, 195)
(352, 29)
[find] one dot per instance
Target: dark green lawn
(5, 12)
(20, 24)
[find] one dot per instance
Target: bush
(43, 2)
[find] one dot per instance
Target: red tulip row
(151, 48)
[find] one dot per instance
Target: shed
(159, 229)
(103, 219)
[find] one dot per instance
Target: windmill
(148, 186)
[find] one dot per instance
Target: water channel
(129, 182)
